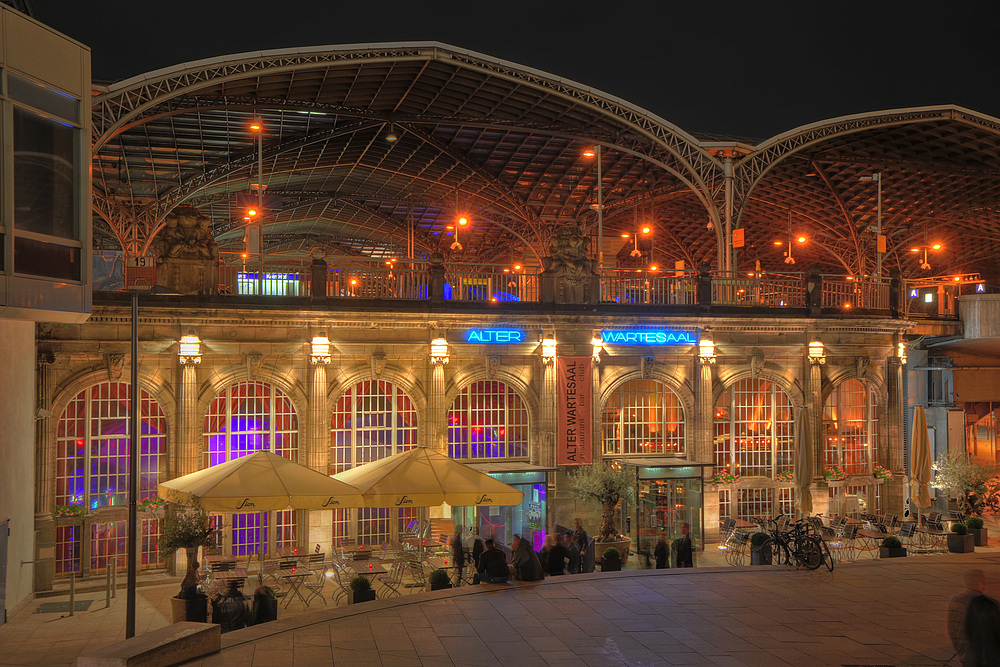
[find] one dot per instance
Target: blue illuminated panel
(494, 336)
(648, 337)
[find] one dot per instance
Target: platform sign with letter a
(574, 384)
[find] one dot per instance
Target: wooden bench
(170, 645)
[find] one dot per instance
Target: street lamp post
(879, 247)
(595, 152)
(257, 127)
(133, 473)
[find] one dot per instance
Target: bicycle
(799, 544)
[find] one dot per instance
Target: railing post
(814, 292)
(318, 272)
(895, 294)
(703, 294)
(72, 593)
(435, 278)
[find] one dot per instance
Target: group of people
(561, 554)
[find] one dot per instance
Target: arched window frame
(487, 412)
(616, 429)
(854, 450)
(360, 434)
(775, 447)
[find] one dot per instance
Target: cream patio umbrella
(920, 459)
(420, 477)
(803, 462)
(261, 482)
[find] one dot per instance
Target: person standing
(685, 551)
(554, 556)
(583, 542)
(573, 549)
(975, 584)
(661, 553)
(457, 555)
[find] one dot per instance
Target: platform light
(189, 348)
(706, 350)
(320, 349)
(548, 349)
(817, 354)
(257, 125)
(439, 351)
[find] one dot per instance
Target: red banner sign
(574, 410)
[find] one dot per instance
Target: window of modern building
(643, 417)
(488, 420)
(850, 427)
(245, 418)
(371, 420)
(92, 468)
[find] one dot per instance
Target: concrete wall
(17, 437)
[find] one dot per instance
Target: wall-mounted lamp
(901, 352)
(439, 351)
(706, 351)
(548, 350)
(320, 352)
(598, 348)
(189, 349)
(817, 355)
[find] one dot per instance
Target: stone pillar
(547, 415)
(318, 272)
(437, 410)
(814, 400)
(187, 448)
(891, 452)
(704, 422)
(45, 527)
(318, 440)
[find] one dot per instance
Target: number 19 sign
(575, 410)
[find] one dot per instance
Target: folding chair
(340, 579)
(392, 582)
(315, 586)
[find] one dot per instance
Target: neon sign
(494, 336)
(648, 337)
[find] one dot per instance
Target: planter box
(759, 556)
(623, 549)
(611, 565)
(980, 536)
(889, 552)
(438, 587)
(357, 597)
(193, 609)
(961, 544)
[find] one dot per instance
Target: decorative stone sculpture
(188, 255)
(568, 275)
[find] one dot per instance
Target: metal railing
(761, 290)
(845, 293)
(651, 289)
(490, 285)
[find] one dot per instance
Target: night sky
(747, 70)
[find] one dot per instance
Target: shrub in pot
(891, 548)
(611, 560)
(361, 590)
(960, 541)
(188, 529)
(760, 549)
(439, 579)
(979, 533)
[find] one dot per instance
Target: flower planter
(760, 555)
(191, 609)
(980, 536)
(437, 587)
(357, 597)
(961, 544)
(891, 552)
(611, 564)
(622, 546)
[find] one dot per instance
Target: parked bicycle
(798, 545)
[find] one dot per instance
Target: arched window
(643, 417)
(850, 427)
(488, 420)
(245, 418)
(371, 420)
(92, 467)
(754, 429)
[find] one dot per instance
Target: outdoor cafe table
(295, 578)
(368, 569)
(871, 540)
(287, 553)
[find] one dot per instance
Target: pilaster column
(814, 400)
(438, 412)
(703, 411)
(891, 452)
(318, 442)
(44, 454)
(187, 447)
(547, 415)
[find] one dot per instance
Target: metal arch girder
(115, 108)
(751, 169)
(858, 251)
(123, 221)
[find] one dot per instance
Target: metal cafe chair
(315, 586)
(392, 582)
(340, 578)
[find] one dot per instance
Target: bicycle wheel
(779, 553)
(808, 553)
(827, 556)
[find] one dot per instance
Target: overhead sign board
(494, 336)
(648, 337)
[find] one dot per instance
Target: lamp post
(879, 242)
(133, 473)
(596, 153)
(257, 127)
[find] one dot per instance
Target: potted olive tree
(611, 560)
(964, 477)
(438, 579)
(361, 590)
(760, 549)
(960, 541)
(606, 484)
(979, 533)
(188, 529)
(891, 548)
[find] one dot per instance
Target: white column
(188, 446)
